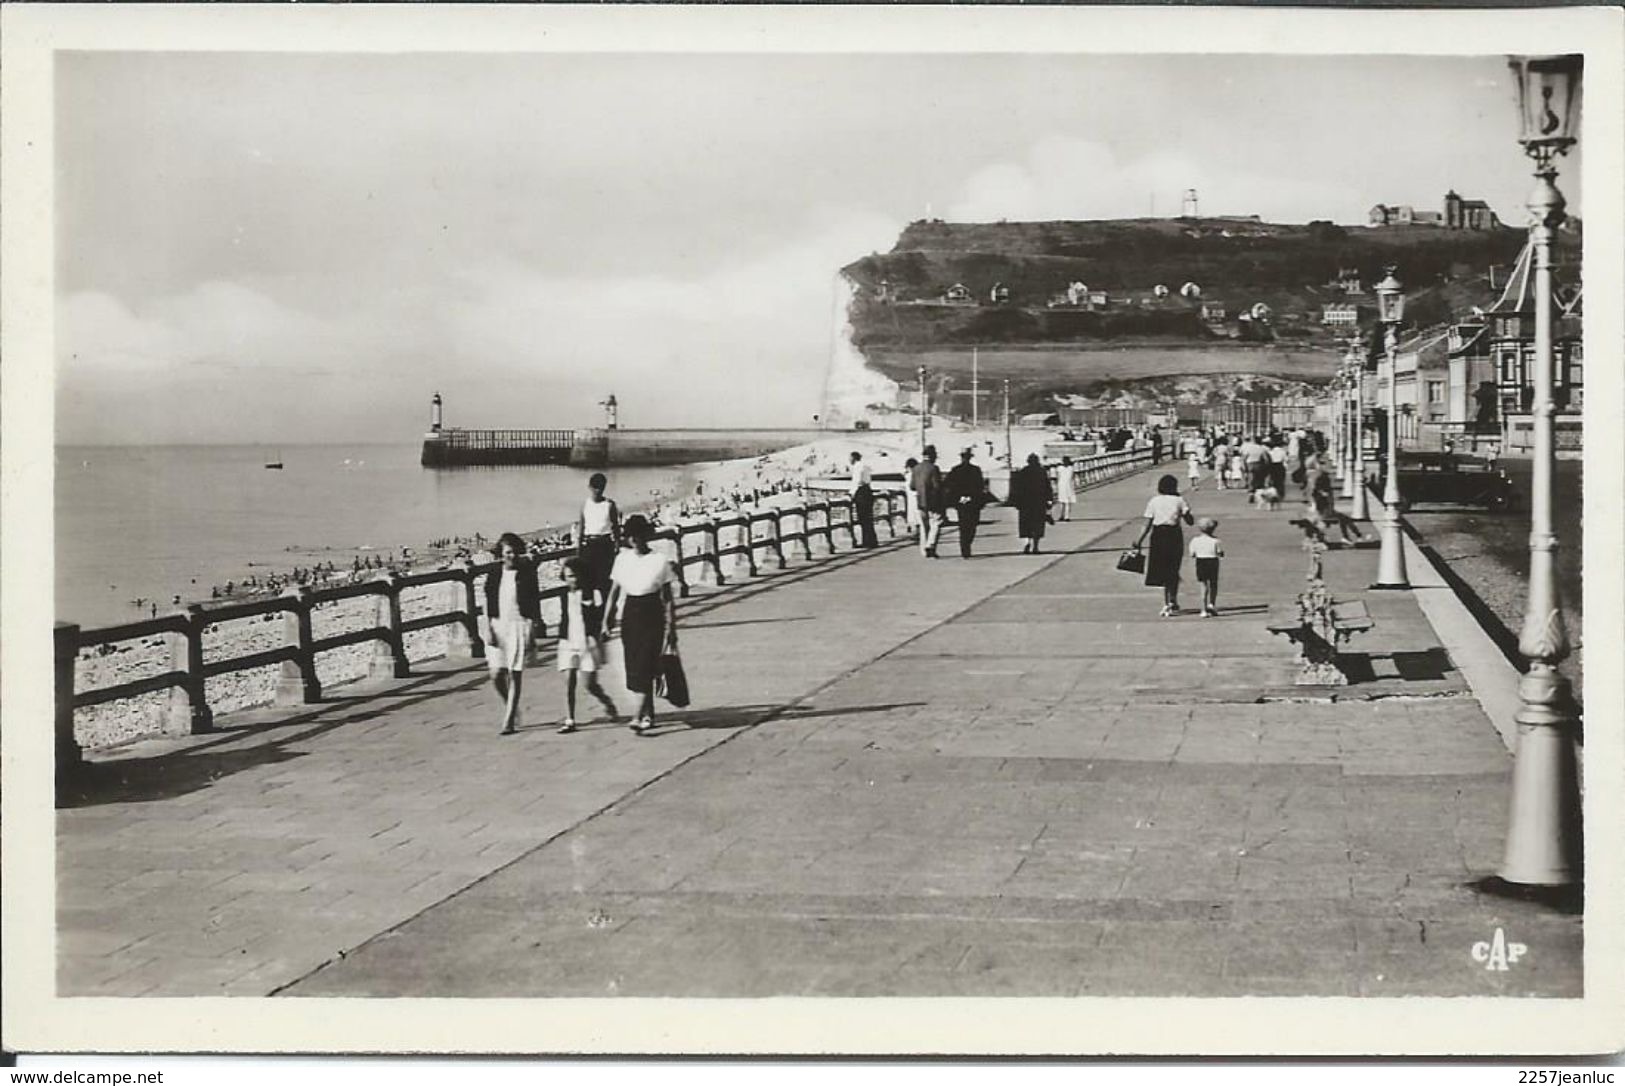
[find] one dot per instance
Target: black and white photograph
(832, 514)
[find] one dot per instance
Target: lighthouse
(434, 414)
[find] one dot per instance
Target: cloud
(745, 343)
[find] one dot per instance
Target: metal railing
(740, 536)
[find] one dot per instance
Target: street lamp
(924, 404)
(1543, 834)
(1359, 510)
(1391, 564)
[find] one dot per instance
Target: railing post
(68, 751)
(189, 712)
(891, 515)
(778, 535)
(747, 537)
(713, 536)
(852, 522)
(806, 529)
(463, 640)
(298, 685)
(682, 568)
(389, 653)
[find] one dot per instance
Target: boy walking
(1207, 550)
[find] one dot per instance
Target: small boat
(274, 465)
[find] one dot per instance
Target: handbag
(1131, 561)
(670, 681)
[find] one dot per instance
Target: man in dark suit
(966, 492)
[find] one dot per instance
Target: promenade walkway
(901, 777)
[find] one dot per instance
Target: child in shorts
(580, 609)
(1207, 550)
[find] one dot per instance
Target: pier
(899, 777)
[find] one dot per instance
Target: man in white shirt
(863, 501)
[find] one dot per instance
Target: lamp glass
(1548, 100)
(1390, 300)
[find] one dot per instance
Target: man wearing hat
(927, 484)
(966, 491)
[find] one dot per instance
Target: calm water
(157, 521)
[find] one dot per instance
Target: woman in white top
(1163, 514)
(640, 589)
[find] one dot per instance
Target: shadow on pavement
(177, 772)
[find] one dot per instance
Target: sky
(287, 248)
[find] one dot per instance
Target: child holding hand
(579, 650)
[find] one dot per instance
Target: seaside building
(1490, 381)
(1340, 314)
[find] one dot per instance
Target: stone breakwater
(709, 490)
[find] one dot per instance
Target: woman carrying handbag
(640, 592)
(1163, 514)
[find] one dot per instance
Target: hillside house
(1462, 214)
(1458, 214)
(1348, 281)
(957, 293)
(1213, 312)
(1340, 314)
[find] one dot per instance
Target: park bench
(1319, 628)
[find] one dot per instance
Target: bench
(1319, 629)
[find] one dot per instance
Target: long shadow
(742, 716)
(745, 622)
(177, 773)
(1430, 665)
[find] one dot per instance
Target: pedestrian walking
(1207, 550)
(965, 491)
(1221, 465)
(1319, 485)
(1030, 493)
(513, 619)
(580, 619)
(863, 501)
(1066, 488)
(1277, 466)
(641, 601)
(1163, 514)
(597, 534)
(927, 484)
(911, 500)
(1193, 469)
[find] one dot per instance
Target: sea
(156, 522)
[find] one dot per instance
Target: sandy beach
(706, 489)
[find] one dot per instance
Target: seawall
(605, 448)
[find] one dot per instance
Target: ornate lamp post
(1543, 836)
(1391, 564)
(1360, 509)
(925, 419)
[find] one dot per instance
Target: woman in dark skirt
(1032, 495)
(1163, 514)
(640, 589)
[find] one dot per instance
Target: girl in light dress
(580, 619)
(513, 619)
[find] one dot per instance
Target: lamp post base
(1391, 572)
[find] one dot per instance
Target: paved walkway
(1000, 776)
